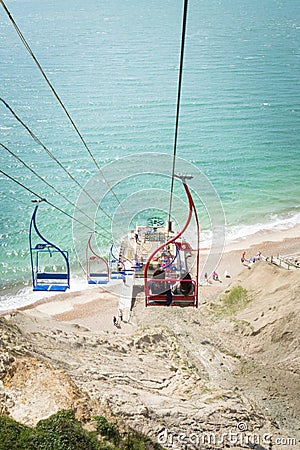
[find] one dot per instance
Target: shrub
(107, 430)
(131, 441)
(13, 435)
(233, 301)
(62, 431)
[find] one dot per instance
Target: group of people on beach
(215, 277)
(249, 262)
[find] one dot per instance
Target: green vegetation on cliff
(62, 431)
(231, 302)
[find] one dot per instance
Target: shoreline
(284, 242)
(264, 237)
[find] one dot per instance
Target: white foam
(26, 296)
(275, 223)
(242, 232)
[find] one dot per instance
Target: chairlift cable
(48, 184)
(47, 201)
(26, 45)
(39, 142)
(184, 20)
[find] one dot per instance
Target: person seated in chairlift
(160, 287)
(184, 286)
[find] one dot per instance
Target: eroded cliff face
(183, 377)
(31, 388)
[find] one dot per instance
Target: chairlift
(162, 287)
(40, 254)
(97, 268)
(117, 267)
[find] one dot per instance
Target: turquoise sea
(115, 66)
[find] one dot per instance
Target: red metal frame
(177, 299)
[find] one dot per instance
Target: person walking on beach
(243, 257)
(216, 277)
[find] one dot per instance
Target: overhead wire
(48, 184)
(47, 201)
(27, 47)
(39, 142)
(184, 20)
